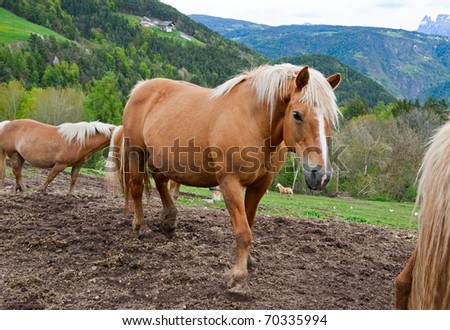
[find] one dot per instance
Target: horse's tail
(431, 275)
(114, 162)
(2, 155)
(124, 173)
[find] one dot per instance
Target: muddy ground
(60, 252)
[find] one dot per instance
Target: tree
(55, 106)
(382, 111)
(104, 100)
(367, 151)
(356, 107)
(11, 96)
(440, 107)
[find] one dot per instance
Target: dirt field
(60, 252)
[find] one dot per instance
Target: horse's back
(19, 130)
(165, 106)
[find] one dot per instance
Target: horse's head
(306, 129)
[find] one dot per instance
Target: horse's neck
(96, 142)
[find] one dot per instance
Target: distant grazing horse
(284, 190)
(424, 283)
(227, 136)
(47, 146)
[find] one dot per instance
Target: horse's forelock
(84, 130)
(271, 82)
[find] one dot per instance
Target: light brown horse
(46, 146)
(284, 190)
(424, 283)
(227, 136)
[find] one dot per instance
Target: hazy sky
(402, 14)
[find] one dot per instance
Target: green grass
(14, 28)
(390, 214)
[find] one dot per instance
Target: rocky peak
(439, 27)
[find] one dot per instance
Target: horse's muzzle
(316, 178)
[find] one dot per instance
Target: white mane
(3, 123)
(270, 82)
(83, 130)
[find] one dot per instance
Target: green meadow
(390, 214)
(14, 28)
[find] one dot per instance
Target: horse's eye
(297, 116)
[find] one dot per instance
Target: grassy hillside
(14, 28)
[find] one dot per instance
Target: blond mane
(83, 130)
(270, 82)
(431, 276)
(3, 123)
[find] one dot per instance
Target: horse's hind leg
(56, 169)
(174, 189)
(169, 212)
(16, 164)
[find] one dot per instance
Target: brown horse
(47, 146)
(227, 136)
(424, 283)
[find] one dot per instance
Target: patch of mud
(61, 252)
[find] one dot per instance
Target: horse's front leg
(169, 211)
(253, 195)
(403, 283)
(73, 178)
(16, 164)
(56, 169)
(232, 195)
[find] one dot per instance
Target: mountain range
(93, 39)
(97, 37)
(409, 64)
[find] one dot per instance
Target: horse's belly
(38, 157)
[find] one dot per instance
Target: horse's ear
(334, 80)
(302, 78)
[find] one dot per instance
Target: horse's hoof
(237, 280)
(240, 292)
(142, 232)
(239, 288)
(168, 229)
